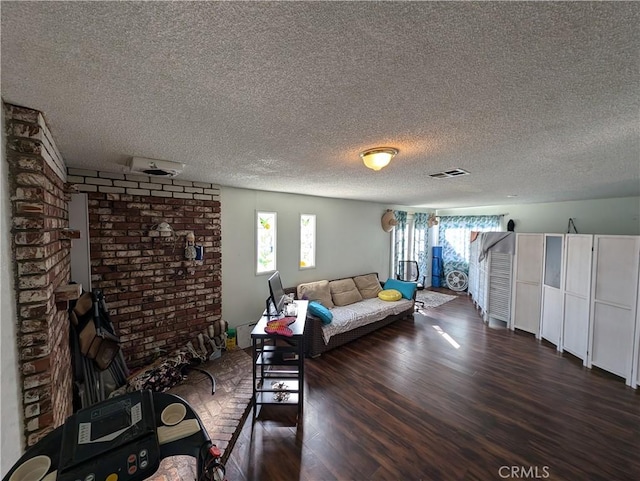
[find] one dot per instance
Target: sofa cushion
(318, 310)
(407, 289)
(344, 292)
(390, 295)
(316, 291)
(368, 285)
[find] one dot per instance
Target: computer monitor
(275, 303)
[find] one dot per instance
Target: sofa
(355, 310)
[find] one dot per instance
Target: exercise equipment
(436, 267)
(121, 439)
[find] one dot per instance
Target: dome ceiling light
(378, 157)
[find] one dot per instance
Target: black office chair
(409, 271)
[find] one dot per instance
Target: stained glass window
(266, 242)
(307, 241)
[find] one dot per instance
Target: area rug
(223, 413)
(432, 299)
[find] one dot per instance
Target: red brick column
(39, 209)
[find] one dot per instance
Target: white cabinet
(552, 289)
(614, 302)
(527, 283)
(577, 294)
(581, 293)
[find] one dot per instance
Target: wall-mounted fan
(432, 220)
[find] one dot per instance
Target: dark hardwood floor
(404, 404)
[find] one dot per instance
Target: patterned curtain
(421, 242)
(401, 233)
(454, 235)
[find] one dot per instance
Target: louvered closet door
(552, 289)
(482, 286)
(577, 294)
(473, 270)
(527, 283)
(499, 306)
(614, 291)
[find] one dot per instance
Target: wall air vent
(159, 168)
(447, 174)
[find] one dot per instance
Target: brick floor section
(222, 414)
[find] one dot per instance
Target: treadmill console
(112, 441)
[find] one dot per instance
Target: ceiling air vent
(160, 168)
(449, 173)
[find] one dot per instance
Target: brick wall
(158, 300)
(41, 249)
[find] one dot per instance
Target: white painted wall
(350, 241)
(620, 216)
(12, 441)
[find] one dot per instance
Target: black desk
(278, 364)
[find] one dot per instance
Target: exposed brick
(160, 193)
(111, 190)
(40, 200)
(26, 297)
(87, 188)
(98, 181)
(33, 179)
(202, 197)
(28, 222)
(30, 193)
(36, 366)
(82, 172)
(181, 195)
(31, 238)
(111, 175)
(126, 183)
(143, 273)
(32, 410)
(29, 326)
(36, 380)
(138, 192)
(29, 207)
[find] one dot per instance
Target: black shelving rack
(278, 364)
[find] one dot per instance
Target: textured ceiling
(535, 99)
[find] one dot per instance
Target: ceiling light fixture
(379, 157)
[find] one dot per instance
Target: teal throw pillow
(318, 310)
(407, 289)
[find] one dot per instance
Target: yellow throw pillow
(390, 295)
